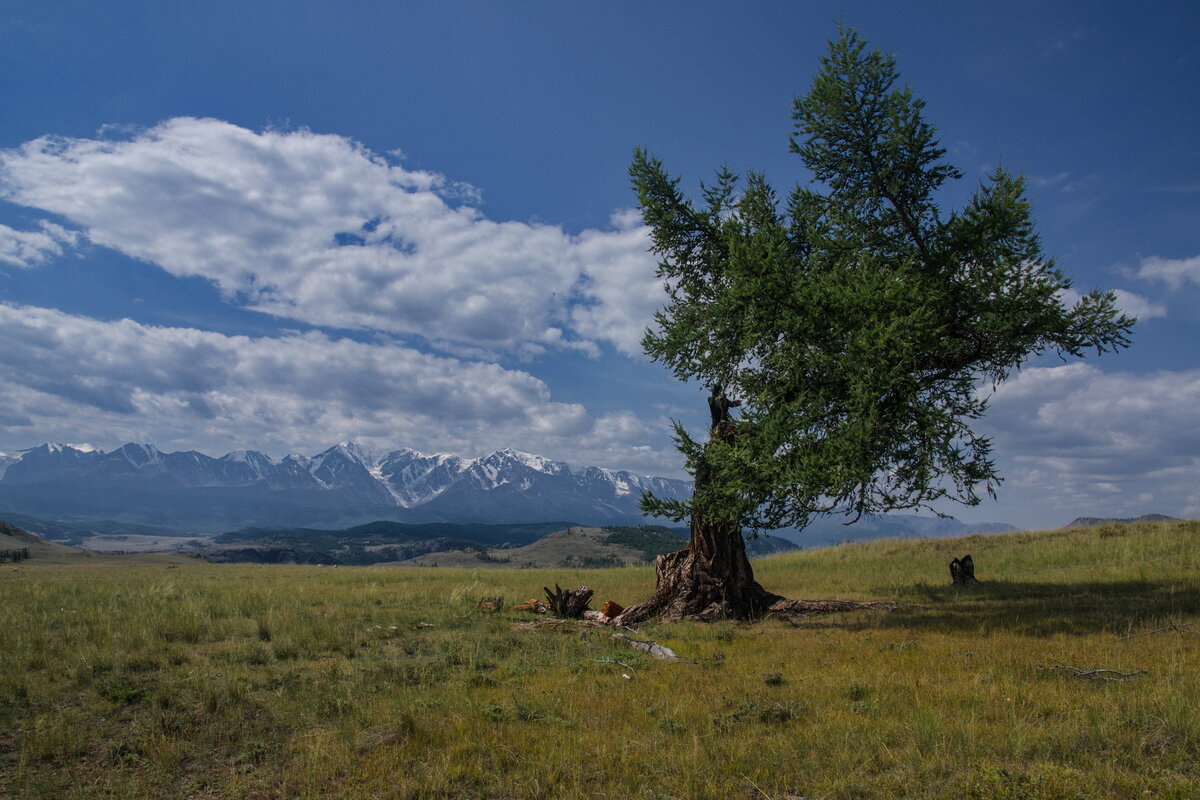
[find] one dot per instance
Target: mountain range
(71, 491)
(342, 485)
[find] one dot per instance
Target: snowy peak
(139, 455)
(350, 470)
(512, 458)
(350, 452)
(505, 486)
(257, 463)
(511, 466)
(48, 461)
(414, 478)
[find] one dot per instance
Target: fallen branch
(1179, 628)
(654, 649)
(787, 608)
(554, 624)
(1096, 674)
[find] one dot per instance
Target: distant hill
(575, 546)
(73, 531)
(13, 539)
(372, 543)
(583, 547)
(1088, 522)
(448, 544)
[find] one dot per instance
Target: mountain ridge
(140, 486)
(342, 484)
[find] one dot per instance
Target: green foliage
(14, 555)
(649, 540)
(592, 562)
(844, 337)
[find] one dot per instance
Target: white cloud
(68, 378)
(620, 285)
(1098, 444)
(27, 249)
(316, 228)
(1138, 306)
(1174, 272)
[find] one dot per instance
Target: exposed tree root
(691, 587)
(793, 608)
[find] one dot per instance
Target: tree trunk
(711, 578)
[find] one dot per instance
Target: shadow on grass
(1040, 609)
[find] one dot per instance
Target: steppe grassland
(255, 681)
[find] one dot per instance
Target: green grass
(251, 681)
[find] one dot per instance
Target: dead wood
(568, 605)
(532, 604)
(653, 649)
(1179, 628)
(1096, 674)
(491, 603)
(962, 571)
(793, 608)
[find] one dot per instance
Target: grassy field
(247, 681)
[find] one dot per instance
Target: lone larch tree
(847, 335)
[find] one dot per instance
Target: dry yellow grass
(248, 681)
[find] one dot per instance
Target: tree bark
(711, 578)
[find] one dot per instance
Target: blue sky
(281, 225)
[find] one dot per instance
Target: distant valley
(473, 546)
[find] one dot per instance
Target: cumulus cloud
(67, 377)
(1174, 272)
(317, 228)
(1098, 444)
(622, 290)
(27, 249)
(1138, 306)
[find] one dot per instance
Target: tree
(846, 340)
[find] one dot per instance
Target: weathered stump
(568, 605)
(962, 571)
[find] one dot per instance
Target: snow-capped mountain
(345, 482)
(5, 460)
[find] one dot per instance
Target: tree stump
(568, 605)
(962, 571)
